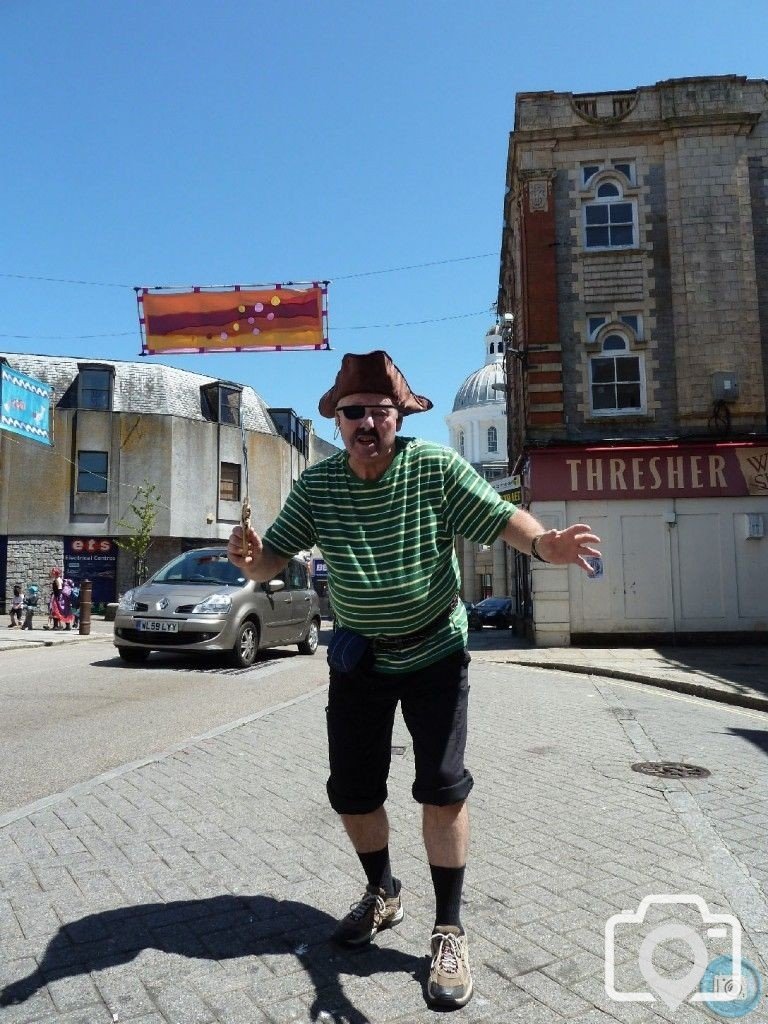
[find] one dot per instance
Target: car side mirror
(275, 585)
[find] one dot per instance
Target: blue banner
(25, 405)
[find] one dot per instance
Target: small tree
(139, 539)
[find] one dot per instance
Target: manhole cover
(671, 770)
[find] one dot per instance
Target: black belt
(396, 643)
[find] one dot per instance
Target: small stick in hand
(245, 522)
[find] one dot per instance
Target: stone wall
(30, 560)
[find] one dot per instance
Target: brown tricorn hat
(374, 373)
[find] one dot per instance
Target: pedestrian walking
(61, 615)
(385, 513)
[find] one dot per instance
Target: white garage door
(671, 567)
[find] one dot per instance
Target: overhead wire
(413, 323)
(331, 279)
(69, 337)
(336, 327)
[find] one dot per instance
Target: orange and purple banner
(240, 319)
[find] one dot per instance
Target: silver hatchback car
(200, 601)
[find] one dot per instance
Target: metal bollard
(86, 589)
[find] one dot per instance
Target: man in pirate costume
(385, 513)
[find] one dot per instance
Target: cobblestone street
(202, 887)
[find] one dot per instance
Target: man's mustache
(364, 435)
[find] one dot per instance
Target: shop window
(589, 171)
(597, 321)
(616, 378)
(92, 472)
(594, 322)
(221, 403)
(229, 482)
(292, 428)
(94, 387)
(610, 219)
(624, 167)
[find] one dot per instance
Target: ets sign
(95, 559)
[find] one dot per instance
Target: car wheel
(309, 644)
(133, 654)
(246, 647)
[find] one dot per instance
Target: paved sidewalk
(17, 639)
(734, 675)
(200, 888)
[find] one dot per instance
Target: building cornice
(737, 123)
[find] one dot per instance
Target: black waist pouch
(348, 650)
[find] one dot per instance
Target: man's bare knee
(443, 814)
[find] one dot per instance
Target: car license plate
(157, 626)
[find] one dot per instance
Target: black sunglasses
(357, 412)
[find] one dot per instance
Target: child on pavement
(17, 607)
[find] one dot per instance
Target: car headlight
(216, 604)
(127, 602)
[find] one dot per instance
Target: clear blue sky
(150, 143)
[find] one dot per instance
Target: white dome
(478, 388)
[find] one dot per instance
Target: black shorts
(360, 715)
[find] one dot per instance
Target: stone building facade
(635, 262)
(117, 425)
(477, 427)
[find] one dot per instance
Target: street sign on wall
(509, 488)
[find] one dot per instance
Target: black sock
(448, 883)
(378, 870)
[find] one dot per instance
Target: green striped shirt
(389, 543)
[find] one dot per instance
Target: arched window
(610, 220)
(617, 383)
(461, 442)
(493, 440)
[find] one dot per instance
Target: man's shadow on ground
(219, 928)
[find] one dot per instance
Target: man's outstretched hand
(574, 544)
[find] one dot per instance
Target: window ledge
(583, 253)
(616, 417)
